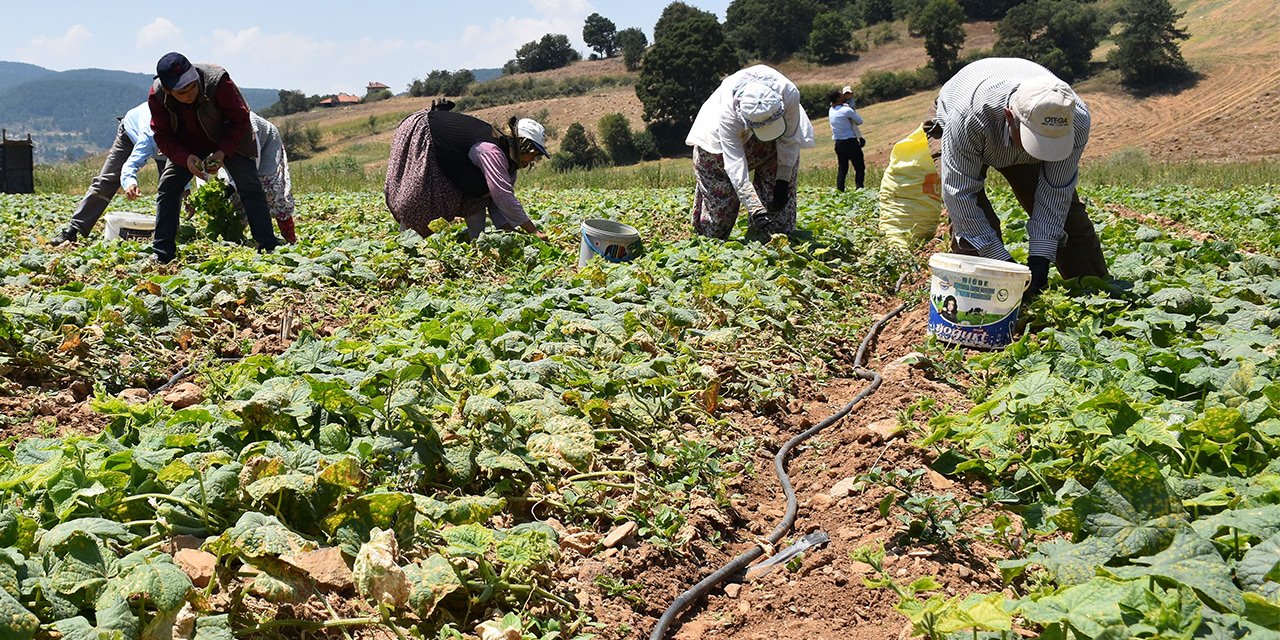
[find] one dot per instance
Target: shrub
(830, 38)
(577, 150)
(615, 135)
(879, 86)
(1147, 52)
(633, 42)
(1058, 34)
(551, 52)
(813, 99)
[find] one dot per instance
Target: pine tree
(1147, 48)
(941, 23)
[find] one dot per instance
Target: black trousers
(850, 151)
(169, 205)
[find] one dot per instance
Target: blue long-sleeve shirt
(844, 122)
(137, 125)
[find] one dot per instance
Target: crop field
(372, 435)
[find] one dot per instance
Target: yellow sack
(910, 192)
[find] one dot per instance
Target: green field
(365, 386)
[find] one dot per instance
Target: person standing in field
(133, 147)
(847, 136)
(202, 123)
(447, 165)
(1017, 117)
(752, 122)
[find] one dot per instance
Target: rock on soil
(619, 534)
(184, 395)
(135, 396)
(326, 566)
(198, 565)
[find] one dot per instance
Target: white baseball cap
(529, 129)
(1045, 109)
(762, 109)
(847, 89)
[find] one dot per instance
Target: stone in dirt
(326, 566)
(198, 565)
(583, 542)
(843, 488)
(881, 431)
(135, 396)
(733, 590)
(938, 481)
(80, 389)
(619, 534)
(821, 501)
(184, 395)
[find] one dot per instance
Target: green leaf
(1259, 522)
(491, 460)
(431, 580)
(256, 535)
(151, 576)
(81, 563)
(566, 442)
(99, 528)
(527, 549)
(1131, 505)
(1195, 562)
(214, 628)
(1088, 608)
(280, 582)
(468, 540)
(1073, 564)
(15, 621)
(1258, 566)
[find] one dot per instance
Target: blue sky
(322, 46)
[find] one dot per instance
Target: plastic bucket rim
(621, 230)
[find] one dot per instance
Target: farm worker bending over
(848, 138)
(201, 123)
(753, 121)
(133, 146)
(273, 175)
(448, 165)
(1016, 116)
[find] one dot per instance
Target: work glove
(1039, 276)
(287, 230)
(781, 193)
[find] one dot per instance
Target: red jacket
(179, 130)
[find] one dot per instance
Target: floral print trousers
(716, 203)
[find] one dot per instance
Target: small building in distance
(342, 99)
(375, 86)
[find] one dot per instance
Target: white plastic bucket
(613, 241)
(127, 225)
(974, 301)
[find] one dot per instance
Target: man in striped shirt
(1016, 116)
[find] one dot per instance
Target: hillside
(72, 114)
(1230, 114)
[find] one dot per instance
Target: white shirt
(720, 128)
(975, 135)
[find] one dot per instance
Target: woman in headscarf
(448, 165)
(753, 121)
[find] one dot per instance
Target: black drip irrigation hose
(186, 371)
(739, 564)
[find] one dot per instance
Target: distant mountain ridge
(72, 114)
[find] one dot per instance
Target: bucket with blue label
(974, 301)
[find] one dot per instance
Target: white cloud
(563, 7)
(160, 33)
(59, 51)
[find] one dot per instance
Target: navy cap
(175, 71)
